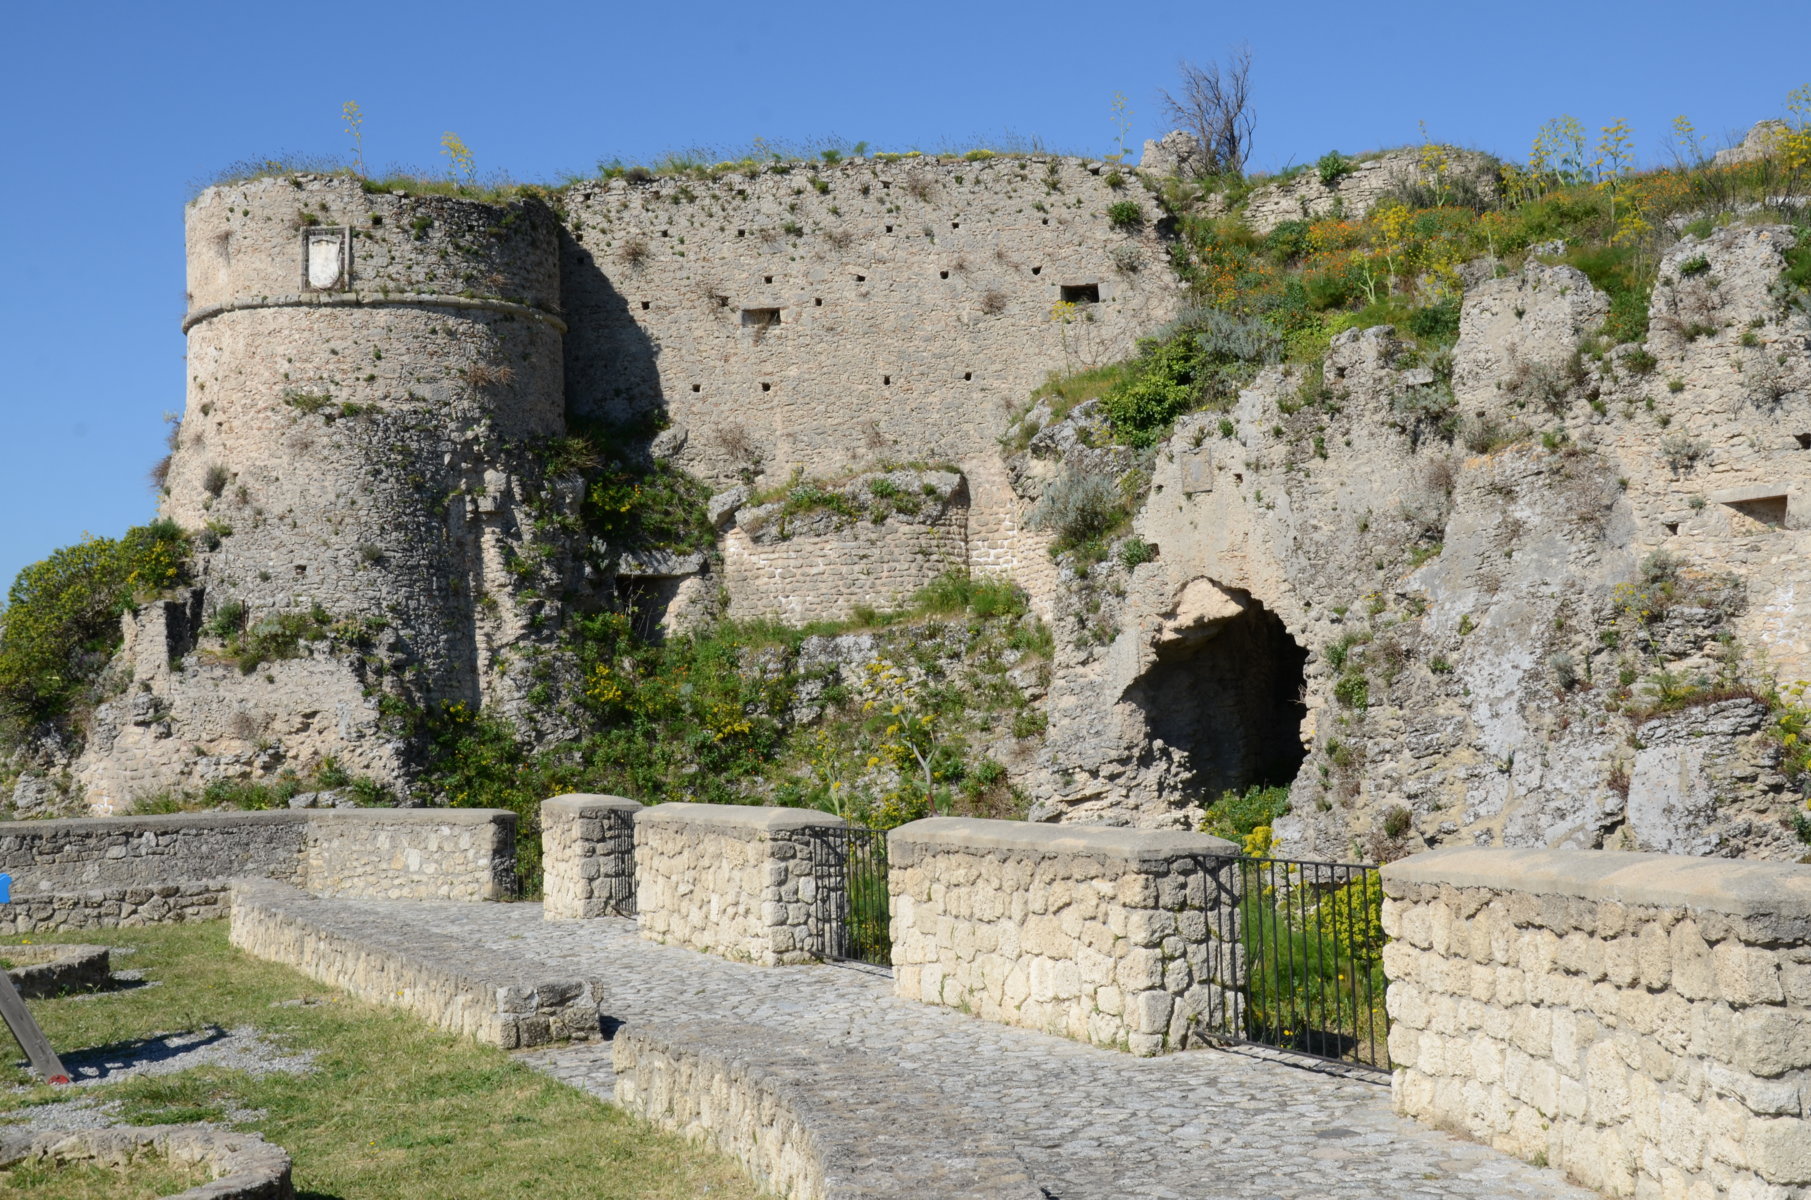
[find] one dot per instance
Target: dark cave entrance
(1233, 700)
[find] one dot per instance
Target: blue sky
(115, 109)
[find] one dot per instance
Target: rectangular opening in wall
(1081, 293)
(767, 279)
(861, 279)
(760, 318)
(1766, 510)
(943, 274)
(646, 304)
(1803, 440)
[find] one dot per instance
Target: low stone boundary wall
(482, 994)
(810, 1122)
(245, 1166)
(1639, 1021)
(587, 857)
(737, 881)
(410, 853)
(111, 871)
(1109, 936)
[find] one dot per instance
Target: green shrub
(1235, 814)
(1333, 167)
(61, 621)
(1353, 690)
(1078, 506)
(1136, 552)
(1203, 358)
(1125, 215)
(1436, 322)
(958, 591)
(1798, 263)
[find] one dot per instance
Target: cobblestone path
(1091, 1124)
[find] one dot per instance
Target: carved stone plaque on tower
(326, 259)
(1197, 470)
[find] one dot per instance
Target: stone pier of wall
(1639, 1021)
(587, 857)
(1119, 937)
(742, 882)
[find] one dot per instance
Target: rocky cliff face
(1521, 596)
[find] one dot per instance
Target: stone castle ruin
(1404, 625)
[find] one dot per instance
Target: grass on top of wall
(392, 1110)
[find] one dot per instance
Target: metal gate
(854, 921)
(1309, 972)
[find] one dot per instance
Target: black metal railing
(619, 838)
(1310, 976)
(852, 908)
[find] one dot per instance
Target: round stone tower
(363, 370)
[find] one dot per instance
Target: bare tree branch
(1214, 105)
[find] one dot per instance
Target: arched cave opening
(1230, 694)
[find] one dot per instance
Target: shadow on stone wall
(611, 368)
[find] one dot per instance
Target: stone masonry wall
(107, 871)
(411, 853)
(1109, 936)
(443, 980)
(736, 881)
(587, 857)
(368, 377)
(1640, 1021)
(908, 313)
(820, 565)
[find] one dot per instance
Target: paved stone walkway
(1090, 1124)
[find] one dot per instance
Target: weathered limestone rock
(1177, 152)
(242, 1166)
(1453, 555)
(1639, 1021)
(1117, 937)
(1305, 197)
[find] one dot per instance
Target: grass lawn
(392, 1108)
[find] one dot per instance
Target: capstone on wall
(1122, 938)
(1641, 1022)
